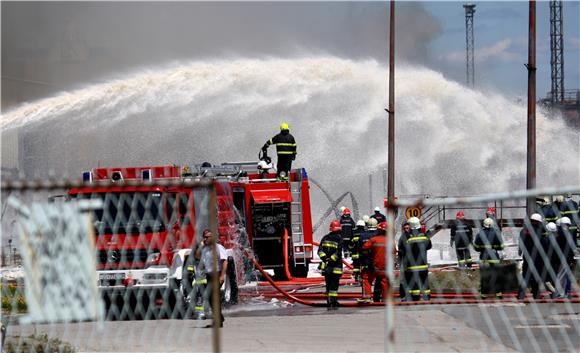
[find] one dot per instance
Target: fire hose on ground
(447, 298)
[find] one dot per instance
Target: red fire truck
(142, 231)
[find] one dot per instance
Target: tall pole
(389, 311)
(469, 45)
(531, 66)
(557, 51)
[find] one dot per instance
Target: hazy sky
(63, 45)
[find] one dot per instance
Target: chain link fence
(113, 267)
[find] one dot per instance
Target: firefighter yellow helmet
(284, 126)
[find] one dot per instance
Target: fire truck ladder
(296, 219)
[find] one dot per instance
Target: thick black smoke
(55, 46)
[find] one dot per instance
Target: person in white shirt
(205, 254)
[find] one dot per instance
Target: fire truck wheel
(230, 288)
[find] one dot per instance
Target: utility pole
(389, 311)
(557, 51)
(531, 66)
(469, 44)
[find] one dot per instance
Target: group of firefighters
(547, 244)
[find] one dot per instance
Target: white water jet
(451, 140)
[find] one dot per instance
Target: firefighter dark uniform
(354, 246)
(347, 226)
(330, 253)
(379, 216)
(569, 208)
(195, 283)
(530, 248)
(488, 242)
(462, 237)
(413, 248)
(285, 148)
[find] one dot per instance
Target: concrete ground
(432, 328)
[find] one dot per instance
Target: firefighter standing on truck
(330, 253)
(412, 249)
(286, 149)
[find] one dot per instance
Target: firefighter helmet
(460, 215)
(284, 126)
(487, 223)
(414, 222)
(373, 223)
(490, 211)
(536, 217)
(560, 198)
(377, 209)
(342, 208)
(382, 226)
(360, 223)
(335, 226)
(346, 211)
(366, 218)
(565, 220)
(551, 227)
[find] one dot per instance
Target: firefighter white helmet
(565, 220)
(537, 217)
(487, 223)
(551, 227)
(373, 223)
(414, 222)
(342, 208)
(377, 209)
(360, 223)
(560, 198)
(366, 218)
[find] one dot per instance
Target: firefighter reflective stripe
(354, 239)
(270, 142)
(199, 281)
(490, 261)
(286, 144)
(355, 256)
(355, 270)
(199, 308)
(420, 238)
(498, 247)
(189, 268)
(379, 245)
(321, 254)
(286, 152)
(419, 291)
(419, 267)
(337, 271)
(483, 246)
(323, 266)
(332, 294)
(333, 257)
(329, 244)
